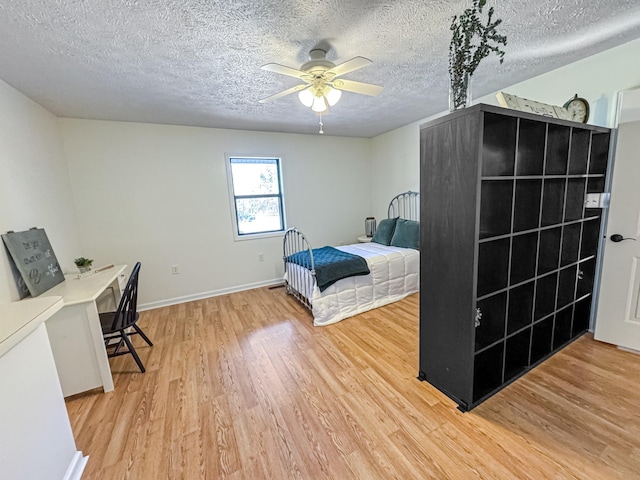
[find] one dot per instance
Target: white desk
(19, 319)
(36, 440)
(75, 333)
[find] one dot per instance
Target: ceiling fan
(322, 88)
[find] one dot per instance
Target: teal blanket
(331, 265)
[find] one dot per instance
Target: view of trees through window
(257, 194)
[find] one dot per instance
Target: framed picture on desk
(32, 256)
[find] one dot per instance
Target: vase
(84, 269)
(459, 92)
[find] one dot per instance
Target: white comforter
(395, 273)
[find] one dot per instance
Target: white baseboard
(212, 293)
(76, 467)
(630, 350)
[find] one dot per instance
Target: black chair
(122, 323)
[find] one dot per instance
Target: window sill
(257, 236)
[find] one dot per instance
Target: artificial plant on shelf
(83, 264)
(471, 41)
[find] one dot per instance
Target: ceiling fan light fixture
(332, 95)
(319, 104)
(306, 97)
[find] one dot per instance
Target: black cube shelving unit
(508, 247)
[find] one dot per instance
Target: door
(618, 315)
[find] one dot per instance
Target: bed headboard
(405, 205)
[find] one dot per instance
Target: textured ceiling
(197, 62)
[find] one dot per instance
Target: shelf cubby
(552, 201)
(499, 160)
(488, 371)
(562, 326)
(579, 153)
(574, 204)
(599, 153)
(566, 286)
(490, 327)
(530, 159)
(586, 272)
(527, 204)
(516, 358)
(541, 344)
(524, 249)
(557, 149)
(590, 238)
(549, 250)
(493, 266)
(495, 208)
(520, 307)
(570, 243)
(581, 317)
(545, 295)
(595, 185)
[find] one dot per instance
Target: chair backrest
(128, 307)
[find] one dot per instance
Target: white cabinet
(36, 441)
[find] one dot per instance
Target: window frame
(232, 197)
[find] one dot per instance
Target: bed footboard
(298, 280)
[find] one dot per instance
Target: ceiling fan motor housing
(317, 62)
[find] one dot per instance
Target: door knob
(616, 237)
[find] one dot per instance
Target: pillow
(406, 234)
(385, 230)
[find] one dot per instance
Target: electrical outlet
(261, 257)
(175, 270)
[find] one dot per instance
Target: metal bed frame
(297, 281)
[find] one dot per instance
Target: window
(255, 184)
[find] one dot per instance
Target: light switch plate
(596, 200)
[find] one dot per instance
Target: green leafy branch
(471, 41)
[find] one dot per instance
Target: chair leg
(116, 346)
(141, 333)
(133, 352)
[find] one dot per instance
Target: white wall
(34, 182)
(597, 78)
(158, 194)
(394, 168)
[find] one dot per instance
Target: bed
(394, 269)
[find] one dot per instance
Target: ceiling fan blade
(357, 87)
(348, 66)
(288, 91)
(292, 72)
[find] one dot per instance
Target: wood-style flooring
(242, 386)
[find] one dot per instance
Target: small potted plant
(471, 41)
(83, 264)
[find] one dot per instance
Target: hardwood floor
(242, 386)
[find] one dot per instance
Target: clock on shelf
(578, 109)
